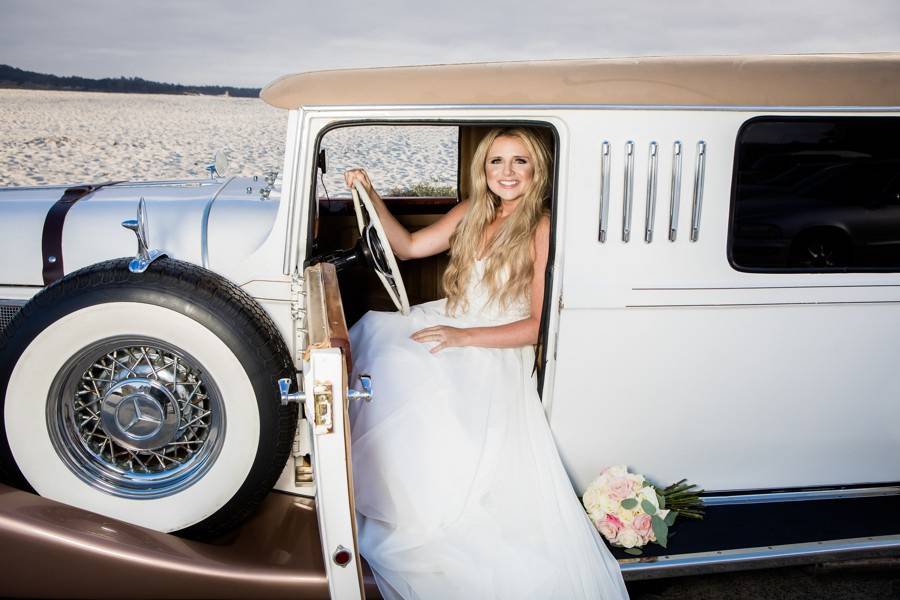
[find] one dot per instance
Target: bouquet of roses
(631, 512)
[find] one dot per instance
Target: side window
(817, 194)
(405, 163)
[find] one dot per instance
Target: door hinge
(298, 316)
(559, 310)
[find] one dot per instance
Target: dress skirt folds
(460, 491)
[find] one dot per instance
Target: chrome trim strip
(204, 225)
(58, 186)
(628, 191)
(699, 172)
(801, 495)
(604, 190)
(172, 183)
(650, 212)
(699, 107)
(751, 304)
(772, 287)
(122, 185)
(745, 558)
(675, 193)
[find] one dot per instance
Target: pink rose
(619, 489)
(609, 527)
(642, 524)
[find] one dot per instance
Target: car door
(325, 377)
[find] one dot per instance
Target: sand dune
(77, 137)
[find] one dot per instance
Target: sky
(246, 43)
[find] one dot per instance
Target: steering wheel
(382, 257)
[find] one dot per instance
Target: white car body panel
(787, 415)
(733, 379)
(243, 242)
(660, 354)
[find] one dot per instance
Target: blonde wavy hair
(510, 251)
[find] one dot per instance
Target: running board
(720, 561)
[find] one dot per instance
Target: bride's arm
(510, 335)
(428, 241)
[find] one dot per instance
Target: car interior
(334, 229)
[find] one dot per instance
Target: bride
(459, 487)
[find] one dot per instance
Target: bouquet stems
(683, 498)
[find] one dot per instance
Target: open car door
(325, 373)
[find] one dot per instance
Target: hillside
(11, 77)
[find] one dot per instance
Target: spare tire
(151, 398)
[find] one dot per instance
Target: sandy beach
(49, 137)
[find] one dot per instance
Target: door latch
(322, 408)
(321, 405)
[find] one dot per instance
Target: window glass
(401, 160)
(817, 194)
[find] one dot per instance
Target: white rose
(628, 538)
(649, 494)
(608, 505)
(616, 471)
(593, 498)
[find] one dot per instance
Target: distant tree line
(11, 77)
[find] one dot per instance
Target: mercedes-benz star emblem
(139, 416)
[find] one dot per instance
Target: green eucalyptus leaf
(633, 551)
(670, 518)
(661, 530)
(629, 503)
(648, 507)
(661, 499)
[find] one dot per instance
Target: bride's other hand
(360, 175)
(444, 335)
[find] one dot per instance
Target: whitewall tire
(148, 398)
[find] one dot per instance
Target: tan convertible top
(790, 80)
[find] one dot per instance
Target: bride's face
(509, 168)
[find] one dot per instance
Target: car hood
(210, 222)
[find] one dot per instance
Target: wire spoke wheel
(135, 417)
(146, 397)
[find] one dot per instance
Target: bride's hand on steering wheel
(360, 175)
(444, 335)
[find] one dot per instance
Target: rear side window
(816, 194)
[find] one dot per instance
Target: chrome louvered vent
(653, 183)
(7, 311)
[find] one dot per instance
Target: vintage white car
(152, 392)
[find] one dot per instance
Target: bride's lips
(507, 183)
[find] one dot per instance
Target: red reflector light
(342, 556)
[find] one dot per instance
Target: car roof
(783, 80)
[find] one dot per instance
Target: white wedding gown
(460, 491)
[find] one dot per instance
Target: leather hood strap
(51, 238)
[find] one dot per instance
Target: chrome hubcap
(136, 417)
(139, 414)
